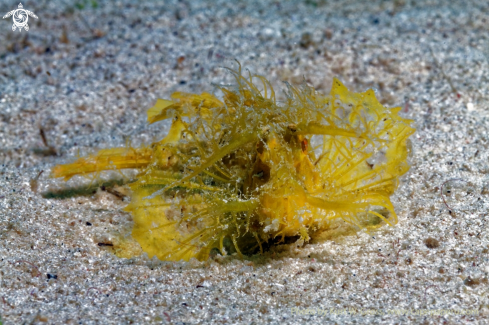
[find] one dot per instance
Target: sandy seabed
(83, 77)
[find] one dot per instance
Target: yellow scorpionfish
(244, 171)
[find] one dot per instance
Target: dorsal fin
(338, 87)
(159, 111)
